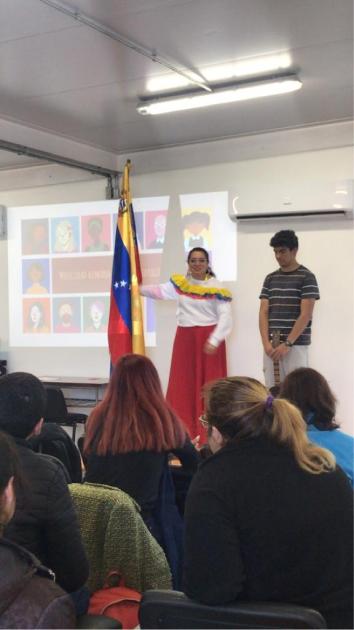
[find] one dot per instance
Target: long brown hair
(309, 391)
(241, 407)
(133, 415)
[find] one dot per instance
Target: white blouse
(193, 311)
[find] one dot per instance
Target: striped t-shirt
(285, 290)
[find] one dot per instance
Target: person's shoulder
(43, 466)
(216, 465)
(40, 601)
(343, 438)
(272, 274)
(305, 270)
(214, 283)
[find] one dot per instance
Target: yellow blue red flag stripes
(125, 327)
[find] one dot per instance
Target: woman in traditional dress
(204, 321)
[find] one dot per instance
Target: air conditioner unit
(331, 213)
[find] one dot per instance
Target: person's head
(36, 315)
(195, 222)
(64, 237)
(285, 245)
(97, 311)
(160, 225)
(39, 233)
(35, 272)
(198, 263)
(10, 474)
(94, 229)
(22, 404)
(65, 313)
(133, 415)
(309, 391)
(239, 408)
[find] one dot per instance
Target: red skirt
(190, 369)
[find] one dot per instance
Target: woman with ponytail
(204, 321)
(268, 517)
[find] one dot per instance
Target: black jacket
(137, 473)
(258, 527)
(53, 440)
(45, 521)
(28, 596)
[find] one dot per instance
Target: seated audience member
(129, 435)
(54, 440)
(29, 597)
(45, 521)
(309, 391)
(268, 516)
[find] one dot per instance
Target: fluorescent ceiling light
(220, 72)
(247, 67)
(167, 82)
(241, 92)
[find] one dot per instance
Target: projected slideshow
(60, 263)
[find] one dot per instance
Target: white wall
(326, 247)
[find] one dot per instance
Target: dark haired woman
(29, 598)
(204, 321)
(129, 435)
(268, 517)
(309, 391)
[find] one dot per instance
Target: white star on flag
(116, 285)
(123, 283)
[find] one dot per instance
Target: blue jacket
(339, 443)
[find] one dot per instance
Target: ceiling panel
(74, 81)
(27, 18)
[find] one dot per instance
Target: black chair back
(172, 609)
(54, 441)
(57, 411)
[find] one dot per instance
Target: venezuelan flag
(125, 327)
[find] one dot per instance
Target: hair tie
(269, 402)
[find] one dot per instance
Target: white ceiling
(68, 79)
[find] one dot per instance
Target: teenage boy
(45, 522)
(287, 300)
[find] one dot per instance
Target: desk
(77, 382)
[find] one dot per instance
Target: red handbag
(119, 602)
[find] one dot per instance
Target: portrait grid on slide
(66, 267)
(64, 262)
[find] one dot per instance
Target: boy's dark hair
(22, 403)
(285, 238)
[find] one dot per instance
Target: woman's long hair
(133, 415)
(241, 408)
(309, 391)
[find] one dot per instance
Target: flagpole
(125, 328)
